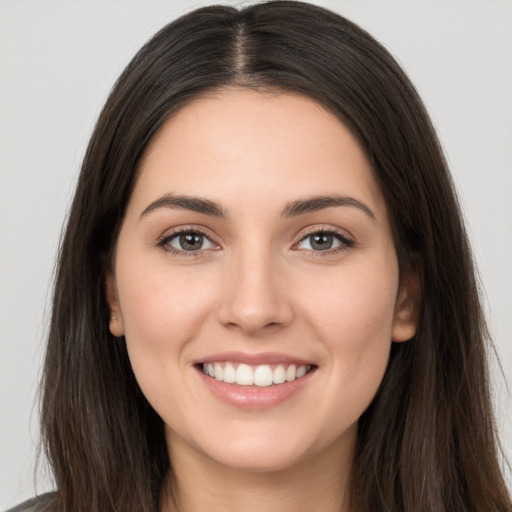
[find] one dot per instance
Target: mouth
(255, 382)
(263, 375)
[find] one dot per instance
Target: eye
(324, 241)
(187, 241)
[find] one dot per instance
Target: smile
(255, 375)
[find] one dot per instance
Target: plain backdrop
(58, 60)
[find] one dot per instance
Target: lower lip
(254, 397)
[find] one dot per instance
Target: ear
(116, 325)
(405, 320)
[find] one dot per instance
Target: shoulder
(37, 504)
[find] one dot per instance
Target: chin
(258, 460)
(267, 451)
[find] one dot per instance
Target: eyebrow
(316, 203)
(195, 204)
(293, 209)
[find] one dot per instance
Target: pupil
(191, 241)
(321, 241)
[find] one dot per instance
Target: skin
(258, 286)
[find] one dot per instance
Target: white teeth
(279, 375)
(229, 375)
(261, 375)
(217, 368)
(291, 373)
(244, 375)
(301, 371)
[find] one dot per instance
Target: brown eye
(324, 241)
(321, 241)
(189, 241)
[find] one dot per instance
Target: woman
(256, 304)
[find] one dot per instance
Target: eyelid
(163, 240)
(325, 228)
(347, 240)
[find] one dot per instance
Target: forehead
(241, 141)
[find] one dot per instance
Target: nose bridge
(254, 297)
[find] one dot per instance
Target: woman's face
(256, 247)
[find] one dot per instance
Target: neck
(199, 483)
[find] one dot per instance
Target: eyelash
(345, 242)
(169, 237)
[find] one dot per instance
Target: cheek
(162, 311)
(355, 303)
(353, 319)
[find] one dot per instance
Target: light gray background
(58, 60)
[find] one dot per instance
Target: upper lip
(254, 359)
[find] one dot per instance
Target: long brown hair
(427, 442)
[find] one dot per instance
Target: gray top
(37, 504)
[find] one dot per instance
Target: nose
(256, 297)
